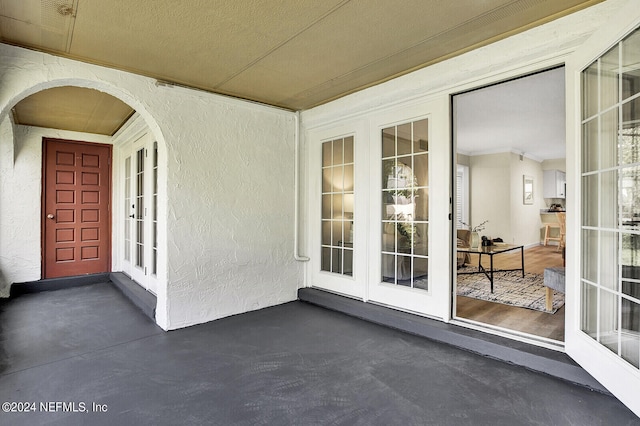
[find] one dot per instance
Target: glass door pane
(154, 213)
(337, 206)
(405, 205)
(610, 275)
(139, 209)
(127, 209)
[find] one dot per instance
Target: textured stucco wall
(231, 210)
(226, 187)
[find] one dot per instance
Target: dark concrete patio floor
(291, 364)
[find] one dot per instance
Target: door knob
(50, 216)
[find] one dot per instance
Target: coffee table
(492, 251)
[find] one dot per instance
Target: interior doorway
(509, 168)
(76, 218)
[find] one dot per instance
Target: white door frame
(618, 376)
(436, 302)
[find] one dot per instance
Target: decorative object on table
(475, 236)
(486, 242)
(527, 189)
(510, 289)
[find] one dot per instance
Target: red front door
(76, 212)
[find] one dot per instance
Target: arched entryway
(22, 216)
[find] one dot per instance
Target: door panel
(76, 222)
(603, 136)
(410, 193)
(140, 160)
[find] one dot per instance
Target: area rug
(509, 288)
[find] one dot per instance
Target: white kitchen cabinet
(554, 184)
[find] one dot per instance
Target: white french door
(140, 165)
(338, 210)
(409, 251)
(379, 208)
(603, 244)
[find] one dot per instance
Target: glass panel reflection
(420, 136)
(420, 246)
(590, 146)
(630, 66)
(327, 177)
(590, 251)
(421, 169)
(609, 139)
(420, 272)
(326, 206)
(609, 65)
(327, 154)
(422, 204)
(590, 205)
(348, 150)
(326, 259)
(337, 152)
(630, 256)
(404, 139)
(590, 91)
(388, 268)
(610, 202)
(336, 261)
(589, 314)
(405, 180)
(630, 197)
(389, 142)
(348, 262)
(630, 342)
(609, 199)
(629, 136)
(404, 271)
(632, 288)
(336, 233)
(337, 206)
(609, 260)
(326, 233)
(608, 333)
(347, 183)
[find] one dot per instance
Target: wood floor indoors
(524, 320)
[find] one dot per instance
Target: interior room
(510, 167)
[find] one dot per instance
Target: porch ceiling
(294, 54)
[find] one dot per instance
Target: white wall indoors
(226, 189)
(525, 218)
(496, 195)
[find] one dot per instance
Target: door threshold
(534, 357)
(530, 339)
(52, 284)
